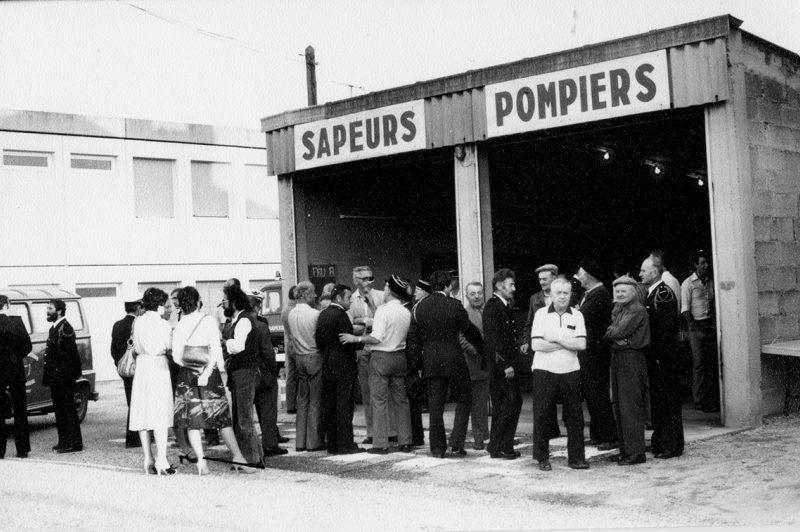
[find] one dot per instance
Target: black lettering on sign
(407, 121)
(547, 98)
(584, 94)
(646, 83)
(503, 106)
(355, 134)
(525, 111)
(619, 82)
(389, 130)
(339, 138)
(567, 94)
(597, 88)
(373, 132)
(308, 142)
(324, 144)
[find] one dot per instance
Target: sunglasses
(368, 279)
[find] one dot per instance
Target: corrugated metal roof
(699, 73)
(455, 118)
(280, 151)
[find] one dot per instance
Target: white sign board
(626, 86)
(384, 131)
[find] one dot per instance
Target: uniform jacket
(536, 302)
(339, 360)
(62, 364)
(15, 344)
(662, 309)
(120, 334)
(500, 341)
(596, 310)
(266, 353)
(433, 336)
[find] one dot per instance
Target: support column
(286, 218)
(734, 251)
(473, 217)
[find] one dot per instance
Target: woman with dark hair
(201, 401)
(151, 394)
(173, 315)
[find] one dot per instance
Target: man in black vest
(120, 334)
(15, 344)
(62, 367)
(242, 362)
(595, 361)
(500, 354)
(339, 367)
(433, 338)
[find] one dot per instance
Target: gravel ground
(747, 478)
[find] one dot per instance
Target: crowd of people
(403, 349)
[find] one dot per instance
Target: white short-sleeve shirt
(570, 324)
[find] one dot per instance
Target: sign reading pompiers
(374, 133)
(631, 85)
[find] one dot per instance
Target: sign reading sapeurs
(631, 85)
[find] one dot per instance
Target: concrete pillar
(473, 217)
(286, 216)
(734, 250)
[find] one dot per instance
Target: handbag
(195, 357)
(126, 367)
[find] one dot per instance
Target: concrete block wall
(773, 123)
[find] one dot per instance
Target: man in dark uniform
(629, 334)
(339, 367)
(595, 361)
(500, 354)
(433, 337)
(120, 334)
(415, 385)
(62, 367)
(15, 344)
(665, 399)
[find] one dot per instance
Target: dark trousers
(417, 429)
(546, 386)
(291, 380)
(437, 398)
(248, 389)
(480, 410)
(18, 401)
(595, 380)
(338, 421)
(506, 407)
(309, 399)
(131, 436)
(267, 410)
(705, 364)
(628, 388)
(67, 423)
(665, 402)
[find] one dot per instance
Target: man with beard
(62, 367)
(15, 344)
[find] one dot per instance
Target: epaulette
(664, 294)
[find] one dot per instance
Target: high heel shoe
(202, 467)
(149, 468)
(165, 469)
(189, 457)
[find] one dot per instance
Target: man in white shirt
(303, 324)
(388, 367)
(557, 334)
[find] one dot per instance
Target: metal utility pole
(311, 76)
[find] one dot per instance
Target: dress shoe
(275, 451)
(283, 439)
(615, 458)
(320, 448)
(367, 440)
(378, 450)
(291, 411)
(407, 449)
(608, 446)
(22, 455)
(438, 455)
(64, 450)
(418, 443)
(352, 450)
(458, 452)
(478, 446)
(580, 464)
(667, 455)
(544, 465)
(633, 459)
(592, 441)
(392, 439)
(130, 445)
(504, 455)
(57, 446)
(189, 457)
(300, 449)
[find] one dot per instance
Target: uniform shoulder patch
(664, 295)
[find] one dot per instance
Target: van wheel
(81, 401)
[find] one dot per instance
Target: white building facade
(104, 206)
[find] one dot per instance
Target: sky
(233, 62)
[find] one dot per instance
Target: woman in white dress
(151, 395)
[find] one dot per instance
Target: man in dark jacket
(500, 353)
(433, 338)
(15, 344)
(338, 369)
(596, 359)
(62, 367)
(120, 334)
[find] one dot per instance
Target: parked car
(271, 308)
(30, 303)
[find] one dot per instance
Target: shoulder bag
(195, 358)
(126, 366)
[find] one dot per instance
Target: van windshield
(21, 310)
(39, 316)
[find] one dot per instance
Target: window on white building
(210, 185)
(262, 193)
(91, 162)
(153, 188)
(29, 159)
